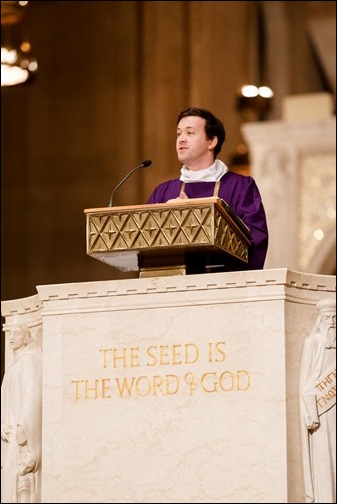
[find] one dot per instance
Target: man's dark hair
(213, 126)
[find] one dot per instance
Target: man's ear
(213, 143)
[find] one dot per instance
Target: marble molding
(294, 165)
(177, 388)
(21, 401)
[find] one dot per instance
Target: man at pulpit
(200, 136)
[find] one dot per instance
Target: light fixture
(254, 96)
(17, 63)
(254, 102)
(250, 91)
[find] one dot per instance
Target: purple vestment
(242, 195)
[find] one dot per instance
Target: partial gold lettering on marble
(326, 391)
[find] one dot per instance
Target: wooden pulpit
(175, 238)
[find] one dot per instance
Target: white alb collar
(211, 174)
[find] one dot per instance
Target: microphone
(144, 164)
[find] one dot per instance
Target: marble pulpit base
(176, 389)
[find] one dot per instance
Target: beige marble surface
(176, 389)
(290, 160)
(21, 401)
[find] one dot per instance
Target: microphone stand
(144, 164)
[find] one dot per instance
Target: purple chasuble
(242, 195)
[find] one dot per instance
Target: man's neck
(200, 165)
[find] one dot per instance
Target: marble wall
(176, 389)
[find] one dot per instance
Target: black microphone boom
(144, 164)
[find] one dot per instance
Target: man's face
(192, 145)
(329, 319)
(328, 323)
(16, 338)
